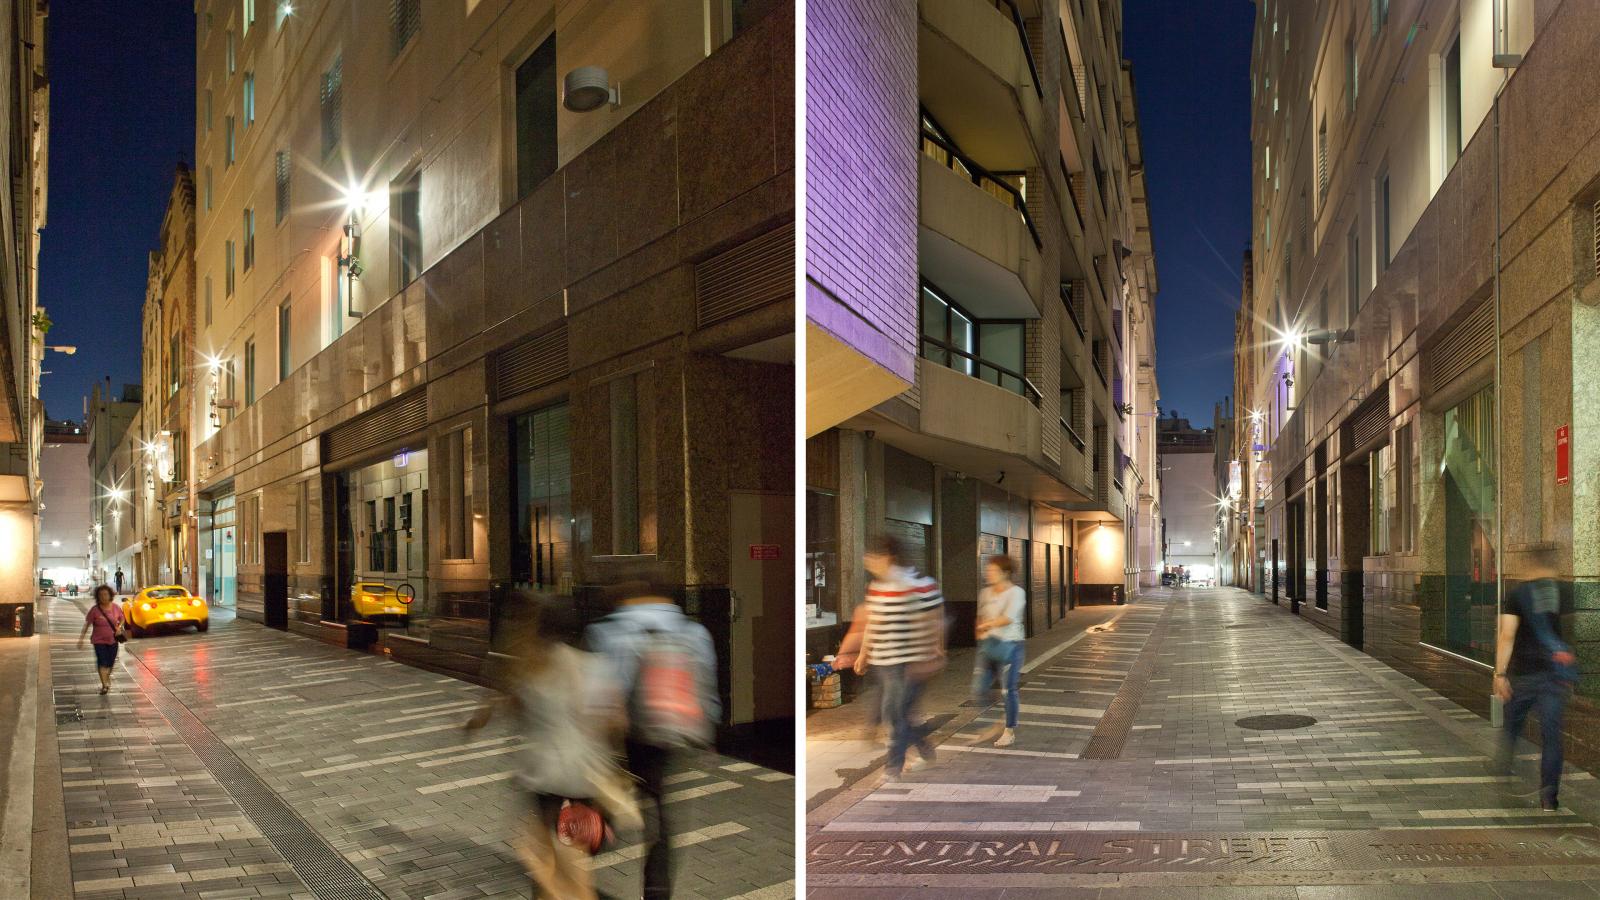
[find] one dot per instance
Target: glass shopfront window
(822, 559)
(1465, 621)
(387, 565)
(541, 554)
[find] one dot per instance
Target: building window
(1467, 483)
(405, 18)
(249, 372)
(1352, 276)
(332, 105)
(1381, 221)
(174, 363)
(1404, 516)
(284, 345)
(229, 145)
(541, 554)
(1380, 14)
(1381, 500)
(231, 382)
(456, 509)
(1452, 104)
(633, 508)
(249, 17)
(208, 188)
(233, 60)
(1351, 80)
(991, 350)
(208, 301)
(281, 178)
(1322, 162)
(228, 278)
(208, 111)
(249, 239)
(249, 98)
(405, 229)
(302, 524)
(536, 117)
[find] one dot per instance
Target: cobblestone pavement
(228, 764)
(1130, 774)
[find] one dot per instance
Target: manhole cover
(1275, 722)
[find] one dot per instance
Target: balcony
(978, 77)
(974, 244)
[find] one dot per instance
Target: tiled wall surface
(861, 176)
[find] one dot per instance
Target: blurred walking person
(106, 622)
(1000, 644)
(904, 643)
(1533, 669)
(565, 766)
(664, 668)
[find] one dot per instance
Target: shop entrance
(762, 631)
(221, 577)
(381, 543)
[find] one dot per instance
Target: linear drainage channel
(328, 875)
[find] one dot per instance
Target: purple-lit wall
(861, 176)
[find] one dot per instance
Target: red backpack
(665, 708)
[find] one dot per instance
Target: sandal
(105, 689)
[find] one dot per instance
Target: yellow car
(165, 604)
(372, 600)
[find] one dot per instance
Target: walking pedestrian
(118, 579)
(565, 765)
(1534, 668)
(664, 666)
(904, 643)
(1000, 643)
(106, 621)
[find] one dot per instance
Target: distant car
(165, 604)
(376, 601)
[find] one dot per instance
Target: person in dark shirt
(1534, 669)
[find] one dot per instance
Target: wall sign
(764, 551)
(1564, 454)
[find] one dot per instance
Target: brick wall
(861, 176)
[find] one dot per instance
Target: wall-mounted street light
(63, 348)
(355, 202)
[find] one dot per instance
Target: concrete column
(1585, 487)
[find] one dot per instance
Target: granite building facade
(473, 333)
(1424, 303)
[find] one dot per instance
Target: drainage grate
(1111, 732)
(1275, 722)
(328, 875)
(1248, 625)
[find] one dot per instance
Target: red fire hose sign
(1564, 454)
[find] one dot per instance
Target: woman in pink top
(105, 618)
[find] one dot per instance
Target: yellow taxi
(165, 604)
(373, 600)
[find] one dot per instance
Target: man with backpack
(1534, 668)
(664, 665)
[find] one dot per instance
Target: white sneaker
(990, 734)
(1007, 738)
(916, 765)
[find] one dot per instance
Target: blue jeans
(899, 693)
(994, 657)
(1544, 690)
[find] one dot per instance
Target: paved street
(1131, 775)
(247, 762)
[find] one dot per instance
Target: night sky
(121, 119)
(122, 116)
(1191, 70)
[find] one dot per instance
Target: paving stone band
(329, 875)
(1275, 722)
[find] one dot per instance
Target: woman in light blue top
(1000, 643)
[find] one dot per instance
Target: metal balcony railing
(950, 156)
(968, 363)
(1071, 435)
(1009, 9)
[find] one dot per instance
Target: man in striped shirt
(904, 642)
